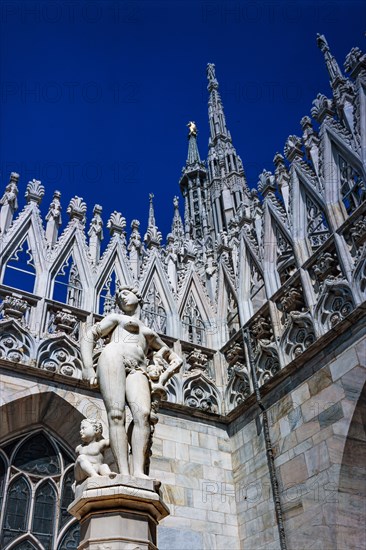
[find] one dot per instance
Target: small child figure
(158, 373)
(90, 462)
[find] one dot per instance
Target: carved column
(118, 512)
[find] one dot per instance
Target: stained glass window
(44, 514)
(35, 492)
(16, 511)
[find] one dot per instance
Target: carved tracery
(153, 312)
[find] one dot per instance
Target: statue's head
(90, 430)
(128, 299)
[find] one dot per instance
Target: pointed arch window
(317, 225)
(193, 322)
(353, 189)
(107, 296)
(25, 545)
(20, 271)
(257, 288)
(44, 514)
(153, 311)
(16, 509)
(67, 285)
(39, 470)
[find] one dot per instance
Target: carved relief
(200, 393)
(299, 334)
(15, 343)
(239, 386)
(60, 355)
(335, 303)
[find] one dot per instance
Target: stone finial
(293, 148)
(34, 192)
(355, 62)
(177, 230)
(77, 209)
(322, 107)
(266, 182)
(152, 237)
(332, 65)
(116, 224)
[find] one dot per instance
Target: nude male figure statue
(122, 376)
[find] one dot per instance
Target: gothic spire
(215, 108)
(177, 224)
(227, 182)
(342, 87)
(193, 186)
(332, 65)
(152, 236)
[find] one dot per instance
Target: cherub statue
(90, 460)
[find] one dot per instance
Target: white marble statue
(90, 459)
(122, 375)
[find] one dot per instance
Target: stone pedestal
(118, 512)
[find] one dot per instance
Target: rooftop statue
(192, 128)
(123, 377)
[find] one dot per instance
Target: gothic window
(107, 301)
(68, 288)
(20, 270)
(353, 188)
(153, 312)
(193, 322)
(317, 226)
(285, 256)
(44, 514)
(36, 490)
(257, 289)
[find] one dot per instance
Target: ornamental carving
(299, 334)
(267, 363)
(35, 191)
(77, 209)
(200, 393)
(64, 321)
(15, 307)
(60, 356)
(261, 329)
(335, 303)
(197, 361)
(292, 300)
(16, 344)
(239, 386)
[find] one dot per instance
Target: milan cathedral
(261, 442)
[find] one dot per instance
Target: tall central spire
(193, 186)
(228, 187)
(215, 109)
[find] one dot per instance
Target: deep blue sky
(95, 96)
